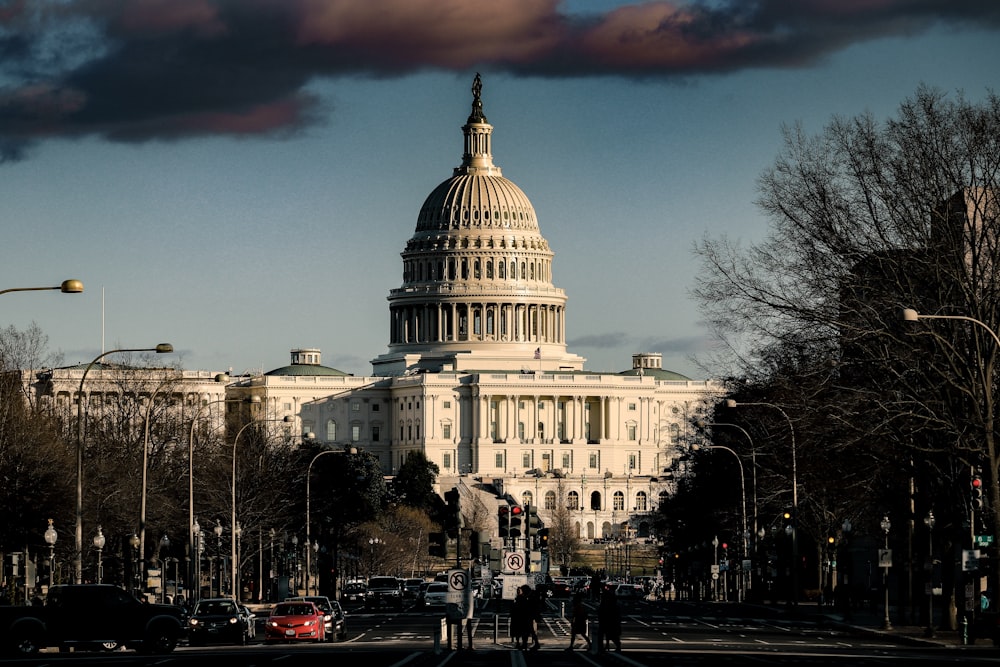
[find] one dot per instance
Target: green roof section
(306, 369)
(657, 373)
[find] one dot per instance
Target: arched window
(331, 430)
(595, 500)
(550, 500)
(573, 501)
(526, 499)
(641, 502)
(619, 500)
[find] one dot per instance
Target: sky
(238, 177)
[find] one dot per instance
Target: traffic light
(534, 523)
(453, 517)
(437, 545)
(977, 491)
(543, 538)
(516, 514)
(503, 521)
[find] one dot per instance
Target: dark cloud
(136, 70)
(608, 341)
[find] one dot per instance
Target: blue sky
(238, 178)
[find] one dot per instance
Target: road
(653, 634)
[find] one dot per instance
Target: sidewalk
(872, 621)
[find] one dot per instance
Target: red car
(293, 621)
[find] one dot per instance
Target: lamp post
(50, 539)
(134, 543)
(743, 492)
(218, 553)
(234, 574)
(145, 474)
(99, 542)
(349, 451)
(886, 624)
(164, 545)
(794, 598)
(192, 571)
(929, 522)
(194, 584)
(66, 287)
(373, 543)
(162, 348)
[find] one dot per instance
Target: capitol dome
(477, 287)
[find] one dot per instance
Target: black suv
(384, 592)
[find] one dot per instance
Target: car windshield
(294, 610)
(383, 582)
(215, 608)
(437, 588)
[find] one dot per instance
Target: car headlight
(193, 621)
(233, 619)
(309, 623)
(326, 617)
(273, 624)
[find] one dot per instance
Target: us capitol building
(477, 375)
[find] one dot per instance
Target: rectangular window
(525, 459)
(355, 433)
(566, 459)
(498, 460)
(375, 433)
(446, 461)
(595, 461)
(287, 406)
(447, 404)
(631, 431)
(546, 461)
(355, 406)
(446, 431)
(631, 407)
(375, 407)
(633, 461)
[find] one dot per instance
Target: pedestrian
(521, 617)
(536, 617)
(578, 622)
(609, 621)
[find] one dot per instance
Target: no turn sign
(514, 562)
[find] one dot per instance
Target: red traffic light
(725, 546)
(977, 482)
(503, 510)
(516, 510)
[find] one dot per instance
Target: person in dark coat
(609, 620)
(578, 622)
(521, 618)
(535, 598)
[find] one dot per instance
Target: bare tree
(866, 219)
(563, 539)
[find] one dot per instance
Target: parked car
(217, 621)
(334, 624)
(630, 591)
(436, 595)
(560, 588)
(353, 591)
(384, 592)
(294, 621)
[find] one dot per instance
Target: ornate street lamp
(929, 522)
(50, 539)
(99, 542)
(134, 543)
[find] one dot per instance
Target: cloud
(140, 70)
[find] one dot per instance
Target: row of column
(508, 322)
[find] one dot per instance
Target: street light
(218, 552)
(730, 403)
(145, 474)
(164, 545)
(162, 348)
(99, 542)
(743, 488)
(929, 522)
(66, 287)
(134, 543)
(886, 624)
(50, 538)
(349, 451)
(234, 575)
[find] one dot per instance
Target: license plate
(289, 633)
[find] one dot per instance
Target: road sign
(458, 599)
(885, 557)
(514, 561)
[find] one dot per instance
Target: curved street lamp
(66, 287)
(348, 451)
(730, 403)
(162, 348)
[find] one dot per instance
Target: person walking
(578, 622)
(536, 617)
(609, 621)
(521, 618)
